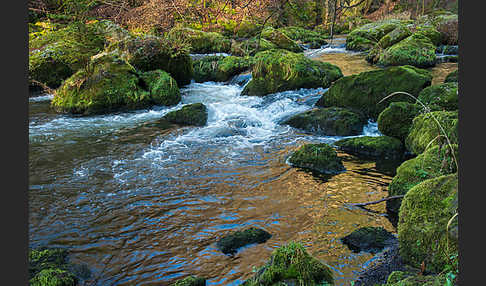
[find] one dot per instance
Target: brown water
(144, 204)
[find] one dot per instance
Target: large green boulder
(400, 278)
(291, 264)
(250, 46)
(230, 243)
(200, 42)
(191, 281)
(416, 50)
(147, 53)
(365, 37)
(220, 68)
(430, 129)
(279, 70)
(54, 277)
(110, 84)
(280, 40)
(434, 162)
(312, 38)
(363, 92)
(378, 147)
(396, 119)
(440, 97)
(50, 267)
(422, 228)
(191, 114)
(331, 121)
(395, 36)
(452, 77)
(318, 157)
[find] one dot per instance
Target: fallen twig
(378, 201)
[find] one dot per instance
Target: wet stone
(230, 243)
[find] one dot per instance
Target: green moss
(416, 50)
(440, 97)
(230, 243)
(247, 29)
(46, 258)
(319, 157)
(305, 36)
(280, 70)
(201, 42)
(381, 147)
(432, 163)
(108, 84)
(53, 277)
(368, 239)
(191, 114)
(425, 131)
(396, 119)
(292, 265)
(363, 92)
(147, 53)
(452, 77)
(395, 36)
(330, 121)
(424, 214)
(191, 281)
(220, 68)
(249, 47)
(365, 37)
(430, 32)
(399, 278)
(162, 87)
(280, 40)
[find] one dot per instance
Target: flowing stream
(143, 203)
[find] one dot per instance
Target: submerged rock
(426, 132)
(434, 162)
(424, 214)
(363, 92)
(191, 114)
(330, 121)
(218, 68)
(110, 84)
(380, 147)
(279, 70)
(368, 239)
(319, 157)
(396, 119)
(230, 243)
(291, 264)
(191, 281)
(440, 97)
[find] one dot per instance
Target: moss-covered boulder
(201, 42)
(427, 130)
(417, 50)
(50, 66)
(452, 77)
(191, 114)
(363, 92)
(230, 243)
(365, 37)
(313, 39)
(191, 281)
(250, 46)
(279, 70)
(400, 278)
(291, 264)
(440, 97)
(280, 40)
(109, 84)
(220, 68)
(50, 266)
(368, 239)
(399, 33)
(434, 162)
(425, 211)
(147, 53)
(54, 277)
(331, 121)
(319, 157)
(380, 147)
(396, 119)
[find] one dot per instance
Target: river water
(143, 203)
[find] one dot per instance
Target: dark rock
(230, 243)
(368, 239)
(191, 114)
(319, 157)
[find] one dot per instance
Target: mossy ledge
(319, 157)
(379, 147)
(291, 264)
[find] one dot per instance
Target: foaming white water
(45, 97)
(328, 50)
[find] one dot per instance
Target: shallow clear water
(143, 203)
